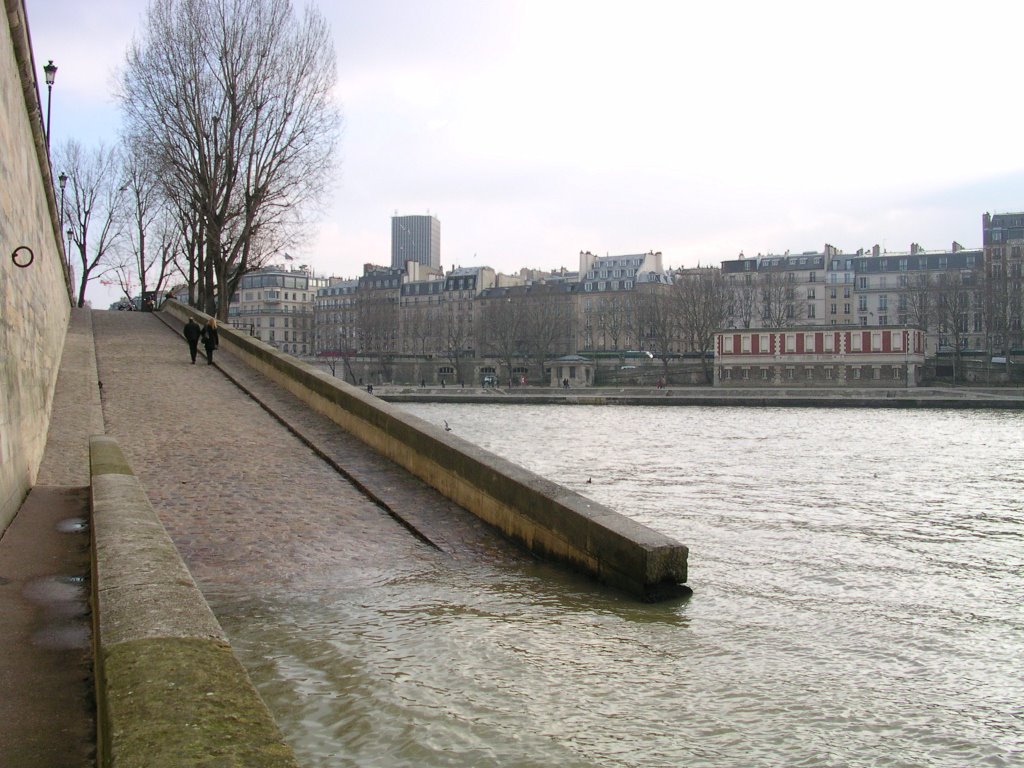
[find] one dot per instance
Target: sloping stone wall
(34, 301)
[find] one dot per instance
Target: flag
(288, 258)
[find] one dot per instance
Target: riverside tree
(703, 297)
(232, 99)
(91, 208)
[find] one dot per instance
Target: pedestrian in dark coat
(192, 334)
(210, 339)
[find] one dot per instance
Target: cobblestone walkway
(245, 500)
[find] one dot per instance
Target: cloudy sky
(536, 129)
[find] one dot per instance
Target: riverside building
(275, 304)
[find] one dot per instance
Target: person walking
(210, 339)
(192, 334)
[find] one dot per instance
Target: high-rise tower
(415, 238)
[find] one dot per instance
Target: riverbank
(919, 397)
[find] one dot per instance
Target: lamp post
(50, 70)
(63, 181)
(67, 253)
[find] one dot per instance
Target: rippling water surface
(858, 583)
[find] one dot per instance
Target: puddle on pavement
(73, 525)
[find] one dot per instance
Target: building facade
(275, 304)
(819, 356)
(1003, 289)
(417, 239)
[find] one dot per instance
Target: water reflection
(857, 578)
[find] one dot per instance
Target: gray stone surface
(249, 504)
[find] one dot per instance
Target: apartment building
(1003, 291)
(275, 304)
(334, 317)
(822, 356)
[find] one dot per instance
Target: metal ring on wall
(20, 261)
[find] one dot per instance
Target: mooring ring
(15, 258)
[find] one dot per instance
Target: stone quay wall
(34, 298)
(544, 517)
(170, 692)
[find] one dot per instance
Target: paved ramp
(249, 490)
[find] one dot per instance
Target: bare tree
(920, 301)
(149, 247)
(744, 300)
(660, 321)
(953, 300)
(234, 98)
(779, 307)
(377, 327)
(454, 337)
(546, 323)
(501, 329)
(612, 320)
(91, 202)
(703, 297)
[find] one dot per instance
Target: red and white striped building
(819, 356)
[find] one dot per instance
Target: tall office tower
(415, 238)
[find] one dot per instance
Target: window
(856, 340)
(811, 312)
(809, 343)
(846, 292)
(862, 303)
(764, 374)
(862, 282)
(830, 344)
(810, 293)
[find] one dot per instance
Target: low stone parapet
(170, 692)
(544, 517)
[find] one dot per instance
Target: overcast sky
(535, 130)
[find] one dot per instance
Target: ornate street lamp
(50, 70)
(63, 181)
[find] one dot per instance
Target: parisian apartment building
(419, 309)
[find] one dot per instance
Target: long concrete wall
(546, 518)
(170, 692)
(34, 299)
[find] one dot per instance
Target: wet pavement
(47, 702)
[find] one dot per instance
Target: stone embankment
(544, 517)
(170, 692)
(921, 397)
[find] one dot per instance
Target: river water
(858, 582)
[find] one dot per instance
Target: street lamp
(67, 253)
(63, 180)
(50, 70)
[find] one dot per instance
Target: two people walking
(207, 334)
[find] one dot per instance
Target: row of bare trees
(226, 151)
